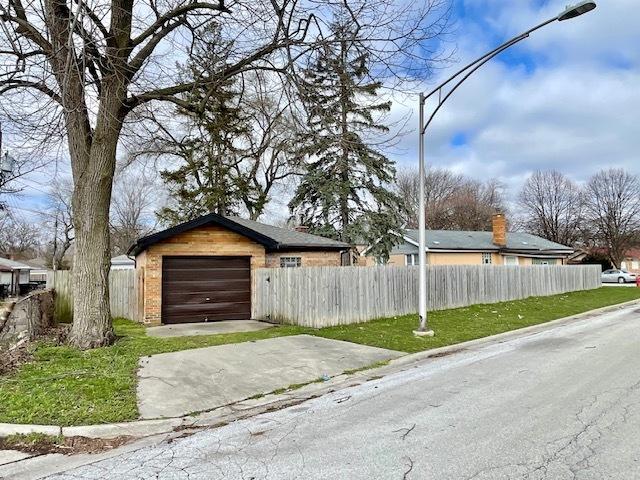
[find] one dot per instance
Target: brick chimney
(301, 229)
(500, 230)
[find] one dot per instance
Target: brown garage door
(205, 289)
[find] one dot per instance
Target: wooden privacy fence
(326, 296)
(122, 291)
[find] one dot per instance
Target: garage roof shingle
(273, 238)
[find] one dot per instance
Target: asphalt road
(561, 404)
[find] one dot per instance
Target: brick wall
(211, 241)
(308, 259)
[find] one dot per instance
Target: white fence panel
(327, 296)
(122, 292)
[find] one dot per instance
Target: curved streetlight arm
(471, 68)
(570, 12)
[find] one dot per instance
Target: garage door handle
(207, 299)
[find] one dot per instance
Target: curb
(248, 408)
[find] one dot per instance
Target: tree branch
(7, 85)
(175, 13)
(24, 27)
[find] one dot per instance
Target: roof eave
(212, 218)
(536, 251)
(306, 246)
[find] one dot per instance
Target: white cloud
(576, 111)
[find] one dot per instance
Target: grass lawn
(468, 323)
(64, 386)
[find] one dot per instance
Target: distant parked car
(618, 276)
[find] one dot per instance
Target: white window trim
(487, 256)
(509, 258)
(415, 261)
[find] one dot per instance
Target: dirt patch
(11, 357)
(43, 444)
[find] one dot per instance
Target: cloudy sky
(567, 98)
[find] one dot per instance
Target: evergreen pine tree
(344, 192)
(206, 180)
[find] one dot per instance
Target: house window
(511, 260)
(544, 261)
(286, 262)
(412, 259)
(486, 259)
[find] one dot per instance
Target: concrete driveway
(179, 383)
(208, 328)
(560, 404)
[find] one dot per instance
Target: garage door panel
(212, 283)
(204, 286)
(198, 289)
(200, 274)
(205, 262)
(210, 317)
(206, 297)
(203, 308)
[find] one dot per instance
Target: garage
(205, 288)
(200, 270)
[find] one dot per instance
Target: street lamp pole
(422, 233)
(456, 80)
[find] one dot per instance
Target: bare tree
(440, 186)
(19, 238)
(132, 217)
(452, 201)
(613, 209)
(84, 69)
(552, 207)
(58, 220)
(272, 154)
(473, 205)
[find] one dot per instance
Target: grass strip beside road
(477, 321)
(64, 386)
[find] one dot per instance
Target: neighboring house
(200, 270)
(578, 257)
(39, 270)
(499, 247)
(14, 276)
(123, 262)
(631, 260)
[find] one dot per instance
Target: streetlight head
(7, 164)
(573, 11)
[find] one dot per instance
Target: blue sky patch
(459, 139)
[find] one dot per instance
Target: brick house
(631, 260)
(453, 247)
(200, 271)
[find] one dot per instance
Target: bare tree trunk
(92, 325)
(93, 184)
(92, 316)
